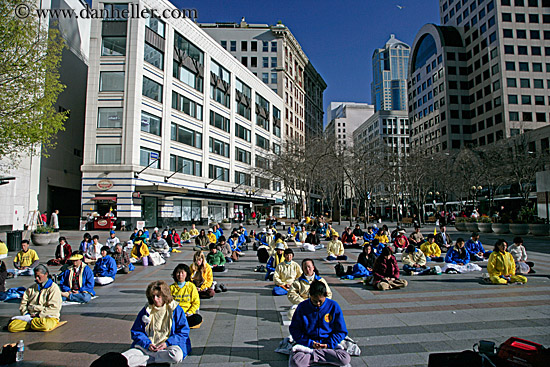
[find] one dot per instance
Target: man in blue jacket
(475, 248)
(318, 327)
(105, 268)
(77, 282)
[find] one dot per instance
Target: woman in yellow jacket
(185, 293)
(299, 290)
(335, 249)
(501, 266)
(382, 237)
(201, 275)
(140, 251)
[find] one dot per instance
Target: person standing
(54, 220)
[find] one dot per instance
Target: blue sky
(338, 36)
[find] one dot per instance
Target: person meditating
(185, 293)
(77, 282)
(299, 290)
(386, 272)
(160, 333)
(201, 275)
(40, 306)
(62, 253)
(318, 327)
(501, 266)
(105, 268)
(335, 249)
(285, 274)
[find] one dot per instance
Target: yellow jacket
(3, 248)
(501, 264)
(187, 297)
(45, 303)
(207, 276)
(382, 239)
(292, 230)
(26, 258)
(140, 250)
(194, 232)
(299, 290)
(430, 249)
(335, 248)
(286, 273)
(211, 237)
(331, 232)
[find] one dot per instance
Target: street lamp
(475, 190)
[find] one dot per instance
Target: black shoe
(217, 288)
(223, 287)
(531, 271)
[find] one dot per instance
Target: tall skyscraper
(390, 70)
(482, 76)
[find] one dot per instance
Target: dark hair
(518, 240)
(277, 236)
(25, 241)
(410, 248)
(222, 239)
(179, 268)
(202, 232)
(366, 245)
(375, 242)
(313, 263)
(87, 236)
(317, 288)
(105, 248)
(62, 238)
(499, 242)
(386, 251)
(212, 246)
(289, 251)
(475, 234)
(459, 239)
(95, 237)
(431, 235)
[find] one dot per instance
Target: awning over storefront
(104, 198)
(161, 190)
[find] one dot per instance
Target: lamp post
(475, 190)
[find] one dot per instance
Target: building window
(111, 81)
(265, 78)
(273, 62)
(514, 116)
(109, 117)
(218, 173)
(233, 46)
(154, 56)
(148, 156)
(186, 136)
(156, 25)
(150, 123)
(152, 89)
(244, 46)
(242, 178)
(186, 106)
(523, 66)
(220, 84)
(276, 149)
(243, 97)
(276, 122)
(114, 12)
(192, 79)
(273, 78)
(219, 121)
(262, 142)
(262, 112)
(525, 99)
(108, 154)
(265, 46)
(244, 61)
(261, 183)
(187, 210)
(253, 62)
(185, 165)
(242, 155)
(254, 46)
(224, 44)
(273, 46)
(218, 147)
(188, 62)
(242, 132)
(113, 46)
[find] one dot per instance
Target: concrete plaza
(243, 326)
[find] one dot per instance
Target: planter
(212, 224)
(226, 226)
(461, 226)
(539, 229)
(54, 238)
(519, 229)
(40, 239)
(472, 227)
(485, 227)
(501, 228)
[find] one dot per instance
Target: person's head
(104, 251)
(308, 267)
(213, 248)
(401, 232)
(280, 248)
(460, 242)
(87, 237)
(518, 241)
(210, 231)
(410, 249)
(442, 228)
(385, 228)
(334, 236)
(367, 248)
(118, 248)
(198, 259)
(317, 293)
(431, 238)
(140, 233)
(95, 238)
(56, 211)
(375, 242)
(475, 236)
(25, 245)
(112, 233)
(289, 254)
(386, 252)
(416, 229)
(181, 273)
(135, 230)
(41, 274)
(62, 240)
(202, 233)
(192, 226)
(357, 226)
(185, 230)
(348, 229)
(158, 293)
(76, 259)
(221, 239)
(501, 245)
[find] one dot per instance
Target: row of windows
(526, 99)
(527, 116)
(524, 66)
(253, 46)
(254, 62)
(527, 83)
(482, 12)
(530, 3)
(523, 50)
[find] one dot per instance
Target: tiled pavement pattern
(242, 327)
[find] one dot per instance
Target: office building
(343, 118)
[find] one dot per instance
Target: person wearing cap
(40, 306)
(193, 232)
(25, 260)
(443, 239)
(77, 282)
(211, 236)
(416, 238)
(269, 238)
(348, 238)
(112, 240)
(431, 249)
(94, 251)
(155, 232)
(215, 259)
(299, 291)
(285, 274)
(475, 248)
(414, 261)
(63, 252)
(335, 249)
(401, 241)
(105, 268)
(122, 259)
(274, 260)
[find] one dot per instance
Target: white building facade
(175, 125)
(342, 120)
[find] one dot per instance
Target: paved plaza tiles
(243, 327)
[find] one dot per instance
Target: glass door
(149, 207)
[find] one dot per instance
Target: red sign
(105, 184)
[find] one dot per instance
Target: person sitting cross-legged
(215, 259)
(105, 268)
(122, 259)
(475, 248)
(414, 261)
(77, 282)
(335, 249)
(285, 274)
(458, 254)
(416, 238)
(25, 260)
(501, 266)
(517, 249)
(431, 250)
(160, 333)
(348, 238)
(299, 290)
(201, 275)
(274, 260)
(40, 306)
(401, 241)
(186, 294)
(386, 272)
(318, 327)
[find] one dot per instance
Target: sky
(338, 36)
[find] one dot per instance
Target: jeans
(436, 259)
(341, 257)
(79, 297)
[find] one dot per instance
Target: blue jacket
(369, 236)
(217, 234)
(378, 249)
(179, 333)
(235, 245)
(261, 237)
(270, 266)
(474, 247)
(105, 267)
(453, 257)
(323, 324)
(87, 280)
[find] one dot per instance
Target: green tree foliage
(30, 54)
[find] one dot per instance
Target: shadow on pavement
(81, 347)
